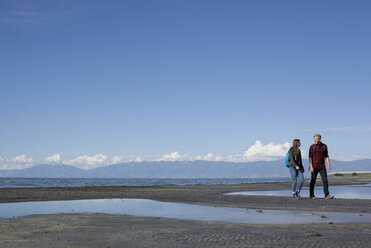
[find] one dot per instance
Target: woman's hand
(297, 167)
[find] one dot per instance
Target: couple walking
(317, 154)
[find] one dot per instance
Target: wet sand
(102, 230)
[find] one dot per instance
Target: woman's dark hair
(295, 146)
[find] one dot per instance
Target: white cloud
(175, 156)
(18, 162)
(349, 128)
(88, 162)
(116, 160)
(234, 158)
(56, 158)
(137, 159)
(210, 157)
(351, 158)
(258, 151)
(23, 159)
(15, 166)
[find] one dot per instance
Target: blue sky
(150, 78)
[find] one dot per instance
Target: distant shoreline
(350, 174)
(94, 182)
(24, 182)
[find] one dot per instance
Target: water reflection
(145, 207)
(346, 192)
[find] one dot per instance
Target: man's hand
(297, 167)
(328, 163)
(311, 165)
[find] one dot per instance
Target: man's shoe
(329, 196)
(312, 197)
(297, 194)
(294, 196)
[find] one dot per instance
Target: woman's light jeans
(296, 176)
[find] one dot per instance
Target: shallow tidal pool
(152, 208)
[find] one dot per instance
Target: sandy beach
(103, 230)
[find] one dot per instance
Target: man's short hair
(317, 135)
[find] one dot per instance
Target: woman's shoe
(297, 194)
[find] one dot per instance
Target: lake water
(346, 192)
(151, 208)
(81, 182)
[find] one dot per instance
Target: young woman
(296, 169)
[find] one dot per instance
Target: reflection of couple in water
(317, 154)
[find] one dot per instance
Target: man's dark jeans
(323, 174)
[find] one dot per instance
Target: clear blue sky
(145, 78)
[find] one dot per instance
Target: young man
(317, 154)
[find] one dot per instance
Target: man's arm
(327, 159)
(328, 163)
(310, 159)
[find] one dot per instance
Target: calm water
(347, 192)
(80, 182)
(146, 207)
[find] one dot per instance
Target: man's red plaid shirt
(318, 155)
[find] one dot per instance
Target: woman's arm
(292, 160)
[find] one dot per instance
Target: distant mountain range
(179, 169)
